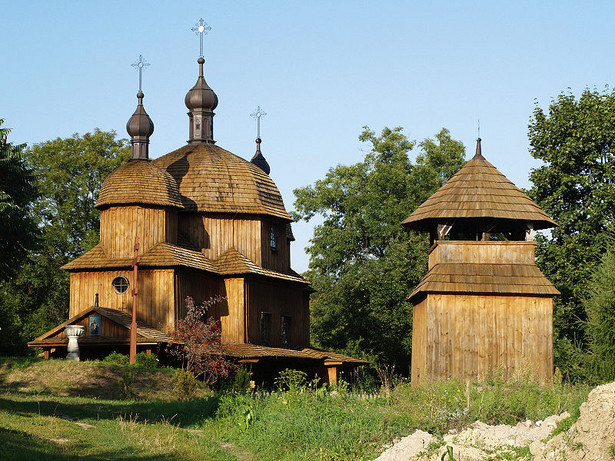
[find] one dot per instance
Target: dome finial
(259, 159)
(478, 148)
(140, 127)
(201, 99)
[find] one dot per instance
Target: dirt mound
(589, 439)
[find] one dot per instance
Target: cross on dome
(201, 28)
(140, 65)
(257, 115)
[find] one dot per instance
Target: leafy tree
(198, 343)
(18, 232)
(363, 264)
(575, 139)
(600, 308)
(68, 175)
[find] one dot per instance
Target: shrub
(126, 385)
(185, 385)
(241, 383)
(115, 358)
(198, 343)
(149, 361)
(291, 380)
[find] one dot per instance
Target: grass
(47, 408)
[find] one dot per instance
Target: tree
(68, 175)
(575, 139)
(198, 343)
(363, 264)
(18, 232)
(600, 325)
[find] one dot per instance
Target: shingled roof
(503, 279)
(230, 262)
(145, 333)
(212, 179)
(478, 190)
(253, 351)
(139, 182)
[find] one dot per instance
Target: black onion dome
(140, 126)
(201, 97)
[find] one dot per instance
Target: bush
(149, 361)
(184, 384)
(291, 380)
(115, 358)
(241, 383)
(126, 385)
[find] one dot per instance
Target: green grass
(38, 419)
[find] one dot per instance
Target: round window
(120, 284)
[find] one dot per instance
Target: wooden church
(483, 304)
(208, 223)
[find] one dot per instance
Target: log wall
(119, 225)
(233, 324)
(464, 251)
(466, 336)
(156, 294)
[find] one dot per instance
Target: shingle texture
(139, 182)
(478, 190)
(251, 351)
(212, 179)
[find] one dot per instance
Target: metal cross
(201, 28)
(258, 114)
(140, 65)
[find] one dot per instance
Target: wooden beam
(249, 360)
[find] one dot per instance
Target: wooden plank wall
(278, 260)
(120, 225)
(215, 234)
(279, 299)
(233, 324)
(469, 335)
(200, 287)
(462, 251)
(156, 288)
(108, 329)
(419, 341)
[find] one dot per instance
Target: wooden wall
(156, 294)
(120, 224)
(279, 299)
(278, 260)
(464, 251)
(465, 336)
(108, 329)
(215, 234)
(201, 287)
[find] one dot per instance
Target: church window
(285, 334)
(265, 328)
(273, 237)
(120, 284)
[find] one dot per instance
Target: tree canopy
(68, 174)
(17, 191)
(363, 264)
(575, 139)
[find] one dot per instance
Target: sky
(321, 70)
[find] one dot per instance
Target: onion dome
(259, 159)
(214, 180)
(140, 127)
(139, 182)
(479, 193)
(201, 102)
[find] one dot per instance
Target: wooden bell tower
(483, 303)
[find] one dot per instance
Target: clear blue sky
(320, 69)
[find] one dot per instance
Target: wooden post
(135, 293)
(332, 375)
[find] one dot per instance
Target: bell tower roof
(478, 192)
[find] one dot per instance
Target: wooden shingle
(478, 190)
(139, 182)
(214, 180)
